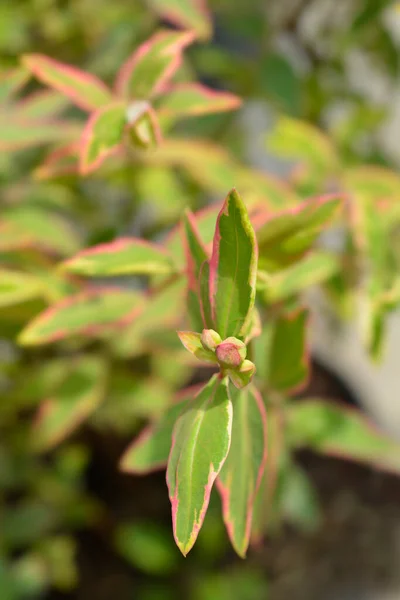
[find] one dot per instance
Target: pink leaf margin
(36, 64)
(174, 50)
(225, 491)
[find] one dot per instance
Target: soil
(355, 554)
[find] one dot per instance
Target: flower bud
(242, 377)
(210, 339)
(231, 353)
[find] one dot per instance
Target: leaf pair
(125, 113)
(215, 436)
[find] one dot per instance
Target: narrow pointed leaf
(286, 236)
(43, 104)
(88, 313)
(102, 136)
(77, 397)
(201, 440)
(122, 257)
(11, 81)
(342, 432)
(241, 474)
(265, 500)
(192, 342)
(204, 289)
(192, 99)
(233, 269)
(196, 254)
(190, 14)
(152, 65)
(288, 360)
(84, 89)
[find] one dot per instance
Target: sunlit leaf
(87, 313)
(241, 474)
(201, 440)
(152, 65)
(191, 99)
(102, 136)
(122, 257)
(233, 269)
(84, 89)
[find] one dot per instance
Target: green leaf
(192, 342)
(298, 498)
(89, 313)
(121, 257)
(27, 227)
(288, 360)
(11, 81)
(241, 474)
(16, 287)
(201, 441)
(150, 450)
(196, 254)
(204, 288)
(336, 430)
(151, 66)
(280, 82)
(233, 269)
(265, 500)
(286, 236)
(43, 104)
(143, 127)
(189, 14)
(77, 397)
(85, 90)
(194, 99)
(313, 269)
(102, 136)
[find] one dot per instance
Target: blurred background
(71, 525)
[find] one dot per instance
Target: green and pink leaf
(200, 445)
(85, 90)
(240, 477)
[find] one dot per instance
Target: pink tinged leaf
(78, 395)
(150, 450)
(102, 136)
(85, 90)
(233, 269)
(152, 65)
(240, 477)
(17, 134)
(285, 237)
(204, 289)
(336, 430)
(90, 313)
(189, 14)
(196, 254)
(121, 257)
(43, 104)
(200, 445)
(192, 342)
(194, 99)
(288, 361)
(264, 502)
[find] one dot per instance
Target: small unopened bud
(231, 353)
(210, 339)
(242, 377)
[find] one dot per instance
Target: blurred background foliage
(71, 526)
